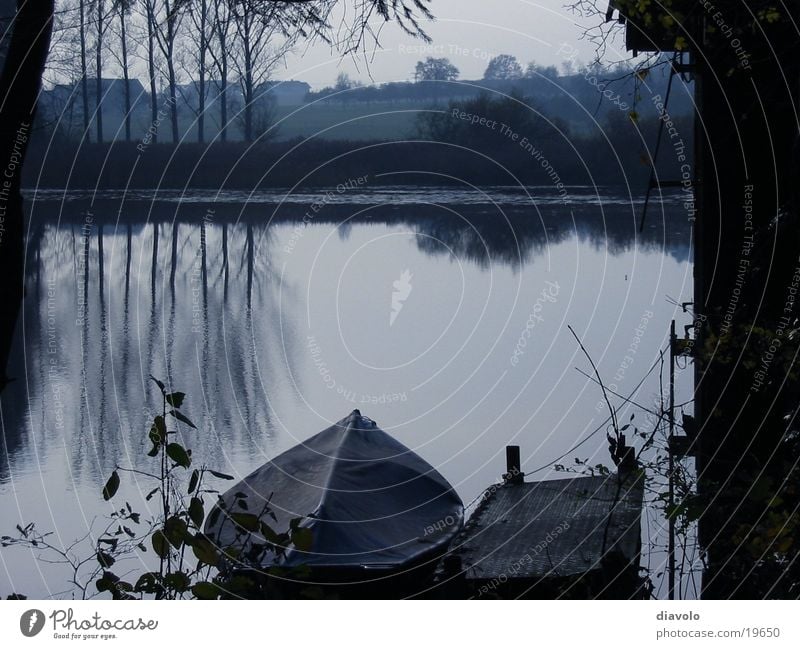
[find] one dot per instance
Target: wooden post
(671, 465)
(514, 473)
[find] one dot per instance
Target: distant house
(63, 105)
(113, 92)
(190, 92)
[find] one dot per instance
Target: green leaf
(302, 538)
(205, 590)
(150, 583)
(196, 511)
(241, 584)
(106, 582)
(205, 550)
(111, 486)
(178, 581)
(178, 454)
(153, 451)
(160, 544)
(157, 382)
(248, 522)
(221, 476)
(194, 480)
(268, 533)
(175, 399)
(176, 531)
(181, 417)
(214, 516)
(158, 430)
(104, 559)
(152, 493)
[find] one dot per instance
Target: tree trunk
(248, 83)
(173, 98)
(20, 83)
(151, 69)
(248, 112)
(223, 92)
(223, 106)
(125, 72)
(201, 83)
(744, 262)
(98, 100)
(84, 72)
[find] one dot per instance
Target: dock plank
(551, 529)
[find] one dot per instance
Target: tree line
(485, 140)
(215, 48)
(438, 78)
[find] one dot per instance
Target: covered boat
(371, 505)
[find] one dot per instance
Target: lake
(440, 313)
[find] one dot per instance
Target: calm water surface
(451, 335)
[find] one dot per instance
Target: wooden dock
(575, 538)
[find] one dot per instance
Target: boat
(373, 508)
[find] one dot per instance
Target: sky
(468, 32)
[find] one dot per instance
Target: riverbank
(325, 163)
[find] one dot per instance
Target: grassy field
(377, 121)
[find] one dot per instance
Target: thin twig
(613, 412)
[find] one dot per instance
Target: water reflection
(274, 330)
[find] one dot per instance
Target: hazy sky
(468, 32)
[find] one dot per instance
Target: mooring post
(514, 473)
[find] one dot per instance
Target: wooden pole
(671, 520)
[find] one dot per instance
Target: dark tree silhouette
(19, 89)
(745, 62)
(503, 66)
(432, 69)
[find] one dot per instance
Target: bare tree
(222, 31)
(102, 20)
(166, 20)
(149, 9)
(63, 65)
(254, 56)
(123, 10)
(84, 78)
(202, 27)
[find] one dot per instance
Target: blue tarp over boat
(369, 502)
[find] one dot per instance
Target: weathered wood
(526, 536)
